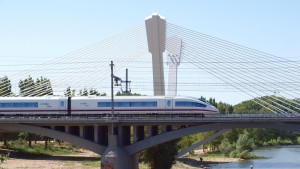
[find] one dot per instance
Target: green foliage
(5, 86)
(40, 150)
(128, 94)
(226, 148)
(40, 87)
(69, 92)
(95, 163)
(252, 106)
(248, 106)
(244, 142)
(3, 157)
(161, 156)
(188, 141)
(224, 108)
(85, 92)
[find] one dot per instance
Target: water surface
(282, 157)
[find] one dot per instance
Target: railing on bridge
(106, 118)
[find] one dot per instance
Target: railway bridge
(136, 133)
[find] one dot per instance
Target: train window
(104, 104)
(128, 104)
(122, 104)
(188, 104)
(143, 104)
(19, 105)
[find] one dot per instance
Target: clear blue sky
(34, 30)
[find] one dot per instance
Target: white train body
(102, 105)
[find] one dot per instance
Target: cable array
(87, 67)
(256, 74)
(208, 64)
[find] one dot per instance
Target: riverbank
(89, 160)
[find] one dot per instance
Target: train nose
(212, 108)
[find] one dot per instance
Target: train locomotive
(91, 105)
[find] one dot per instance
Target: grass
(40, 150)
(91, 163)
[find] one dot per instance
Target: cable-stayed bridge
(194, 63)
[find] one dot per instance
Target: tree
(68, 92)
(43, 87)
(40, 87)
(230, 109)
(27, 87)
(26, 136)
(5, 86)
(83, 92)
(221, 107)
(94, 92)
(244, 142)
(226, 147)
(161, 156)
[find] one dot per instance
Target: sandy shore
(79, 160)
(72, 161)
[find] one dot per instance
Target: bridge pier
(138, 133)
(116, 156)
(124, 135)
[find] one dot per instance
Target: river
(282, 157)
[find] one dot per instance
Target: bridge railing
(144, 118)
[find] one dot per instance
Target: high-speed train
(102, 105)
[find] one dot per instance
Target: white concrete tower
(156, 36)
(173, 50)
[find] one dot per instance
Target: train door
(62, 105)
(169, 104)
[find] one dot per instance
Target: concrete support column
(67, 128)
(138, 133)
(81, 131)
(167, 128)
(134, 131)
(153, 131)
(88, 133)
(124, 135)
(103, 135)
(96, 133)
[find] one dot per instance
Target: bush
(234, 154)
(225, 147)
(3, 157)
(245, 154)
(244, 142)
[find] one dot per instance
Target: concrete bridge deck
(149, 119)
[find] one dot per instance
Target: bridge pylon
(156, 36)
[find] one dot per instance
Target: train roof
(130, 97)
(95, 97)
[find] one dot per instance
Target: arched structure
(93, 133)
(77, 141)
(152, 141)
